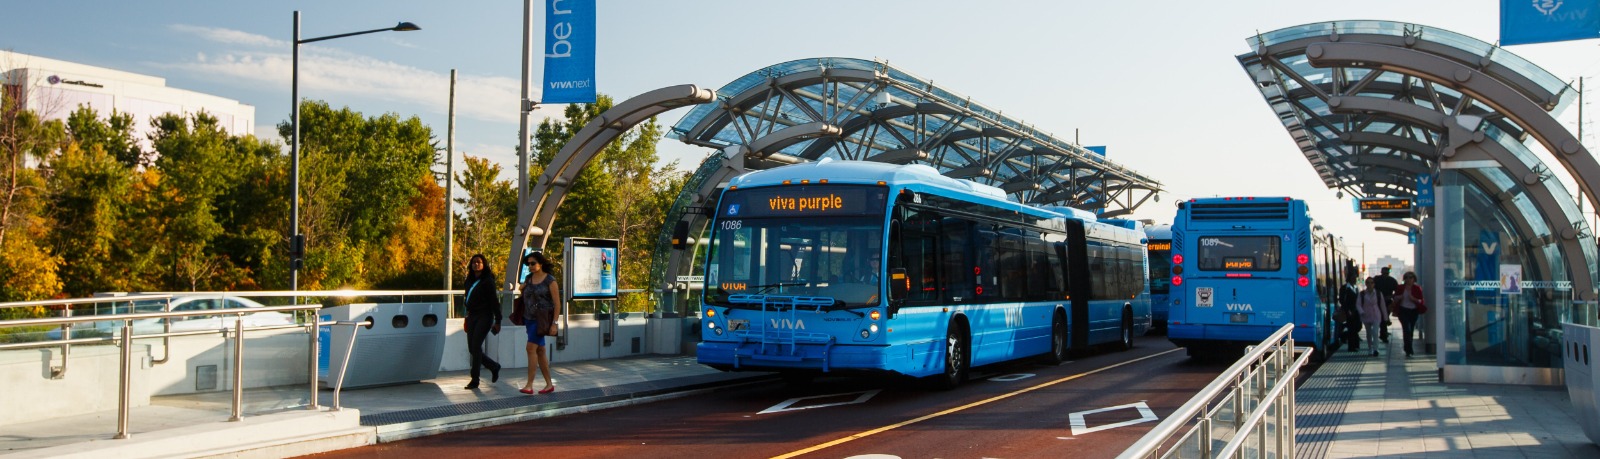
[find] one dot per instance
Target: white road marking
(785, 406)
(1079, 427)
(1013, 377)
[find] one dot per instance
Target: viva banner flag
(569, 52)
(1541, 21)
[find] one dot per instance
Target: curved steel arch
(536, 215)
(865, 110)
(1431, 102)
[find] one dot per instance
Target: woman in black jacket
(483, 316)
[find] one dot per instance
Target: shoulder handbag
(518, 310)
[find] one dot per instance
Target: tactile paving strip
(1320, 403)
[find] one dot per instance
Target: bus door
(1078, 283)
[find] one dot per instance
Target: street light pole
(297, 242)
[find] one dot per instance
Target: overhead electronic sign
(1378, 208)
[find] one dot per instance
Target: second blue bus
(1243, 267)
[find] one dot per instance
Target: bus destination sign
(1163, 245)
(803, 201)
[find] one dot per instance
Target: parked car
(181, 324)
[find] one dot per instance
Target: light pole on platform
(297, 242)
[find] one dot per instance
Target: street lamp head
(405, 27)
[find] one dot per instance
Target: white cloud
(226, 36)
(330, 74)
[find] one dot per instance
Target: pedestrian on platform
(542, 297)
(1370, 303)
(483, 316)
(1352, 316)
(1386, 286)
(1407, 305)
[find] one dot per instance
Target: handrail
(1285, 380)
(151, 315)
(125, 381)
(143, 296)
(1168, 428)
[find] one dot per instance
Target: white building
(54, 89)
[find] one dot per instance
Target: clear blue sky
(1156, 81)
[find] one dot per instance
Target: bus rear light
(1176, 269)
(822, 181)
(1177, 258)
(787, 182)
(1302, 270)
(1304, 326)
(1238, 274)
(805, 182)
(1302, 259)
(1304, 281)
(1177, 280)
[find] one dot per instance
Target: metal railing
(1249, 409)
(126, 335)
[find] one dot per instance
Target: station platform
(1357, 405)
(277, 424)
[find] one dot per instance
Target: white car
(182, 324)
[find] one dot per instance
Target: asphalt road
(1017, 410)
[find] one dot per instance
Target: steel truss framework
(853, 109)
(1373, 104)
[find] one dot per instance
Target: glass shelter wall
(1505, 294)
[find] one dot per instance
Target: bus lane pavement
(1015, 410)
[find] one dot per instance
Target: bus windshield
(818, 257)
(1160, 270)
(809, 240)
(1240, 253)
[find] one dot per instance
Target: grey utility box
(398, 343)
(1580, 342)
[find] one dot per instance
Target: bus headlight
(714, 328)
(873, 328)
(865, 334)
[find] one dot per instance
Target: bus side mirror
(680, 235)
(899, 285)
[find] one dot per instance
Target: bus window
(1012, 266)
(1043, 281)
(919, 235)
(956, 267)
(1240, 253)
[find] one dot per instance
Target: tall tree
(28, 270)
(359, 175)
(89, 190)
(488, 208)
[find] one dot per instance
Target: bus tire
(955, 359)
(1127, 328)
(1058, 339)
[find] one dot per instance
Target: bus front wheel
(955, 359)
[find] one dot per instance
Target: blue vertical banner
(569, 49)
(1542, 21)
(1425, 189)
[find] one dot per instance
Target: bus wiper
(763, 288)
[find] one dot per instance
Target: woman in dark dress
(483, 316)
(542, 295)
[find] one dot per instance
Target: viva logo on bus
(790, 324)
(808, 204)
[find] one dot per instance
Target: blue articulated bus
(1243, 267)
(849, 266)
(1159, 244)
